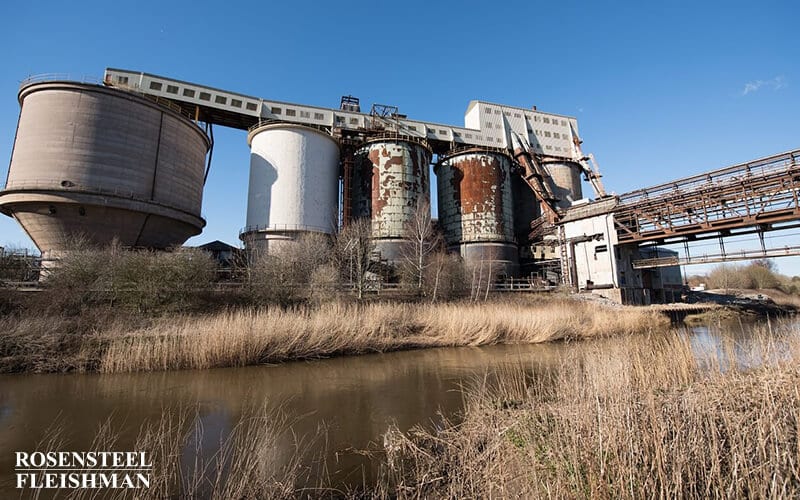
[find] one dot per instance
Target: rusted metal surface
(389, 181)
(757, 193)
(475, 197)
(536, 178)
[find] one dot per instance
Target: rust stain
(478, 204)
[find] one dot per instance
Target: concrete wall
(100, 164)
(294, 179)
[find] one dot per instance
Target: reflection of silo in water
(294, 179)
(95, 164)
(566, 178)
(390, 180)
(476, 209)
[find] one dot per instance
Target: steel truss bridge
(749, 198)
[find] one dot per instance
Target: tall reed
(247, 337)
(654, 419)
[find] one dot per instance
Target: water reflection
(355, 399)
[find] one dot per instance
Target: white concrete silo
(294, 185)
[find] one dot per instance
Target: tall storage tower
(476, 209)
(294, 179)
(390, 180)
(96, 164)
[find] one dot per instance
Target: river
(353, 399)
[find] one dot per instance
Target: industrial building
(127, 159)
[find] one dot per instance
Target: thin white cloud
(776, 83)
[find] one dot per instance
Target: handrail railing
(59, 77)
(265, 228)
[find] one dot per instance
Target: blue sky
(661, 90)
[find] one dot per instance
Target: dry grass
(633, 420)
(249, 461)
(250, 337)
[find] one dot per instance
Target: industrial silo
(294, 185)
(476, 209)
(96, 164)
(566, 178)
(390, 181)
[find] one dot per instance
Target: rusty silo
(390, 180)
(476, 209)
(99, 164)
(566, 178)
(294, 182)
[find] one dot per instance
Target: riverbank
(101, 341)
(636, 420)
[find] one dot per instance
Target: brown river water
(354, 399)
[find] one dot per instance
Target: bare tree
(422, 242)
(353, 248)
(284, 274)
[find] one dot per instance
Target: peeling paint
(475, 200)
(392, 175)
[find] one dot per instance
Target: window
(188, 93)
(546, 119)
(488, 125)
(600, 249)
(488, 110)
(556, 135)
(536, 118)
(546, 133)
(517, 115)
(220, 100)
(155, 86)
(442, 132)
(252, 106)
(276, 111)
(172, 89)
(497, 111)
(412, 127)
(319, 116)
(468, 136)
(340, 119)
(122, 79)
(563, 123)
(236, 103)
(205, 96)
(291, 112)
(353, 121)
(305, 114)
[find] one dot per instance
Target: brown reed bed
(248, 337)
(633, 420)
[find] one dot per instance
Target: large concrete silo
(390, 181)
(294, 185)
(96, 164)
(476, 209)
(566, 178)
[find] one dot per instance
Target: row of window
(535, 118)
(203, 96)
(303, 114)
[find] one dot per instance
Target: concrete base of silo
(273, 242)
(393, 251)
(64, 221)
(499, 260)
